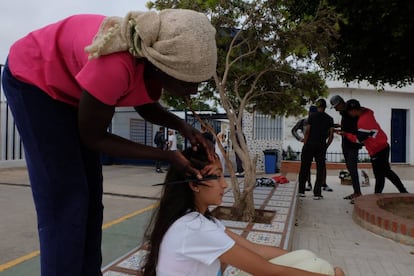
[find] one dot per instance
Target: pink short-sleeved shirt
(53, 58)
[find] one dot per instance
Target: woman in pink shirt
(63, 82)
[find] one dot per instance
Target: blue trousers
(66, 181)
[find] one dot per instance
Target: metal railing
(334, 157)
(11, 147)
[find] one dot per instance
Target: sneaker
(318, 197)
(308, 188)
(301, 194)
(159, 171)
(327, 188)
(349, 197)
(352, 196)
(239, 173)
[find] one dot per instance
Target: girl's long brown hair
(176, 200)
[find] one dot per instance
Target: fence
(334, 157)
(11, 147)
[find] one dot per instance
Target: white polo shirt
(192, 246)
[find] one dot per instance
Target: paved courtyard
(324, 226)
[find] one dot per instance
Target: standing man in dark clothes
(161, 143)
(318, 137)
(300, 126)
(349, 149)
(375, 141)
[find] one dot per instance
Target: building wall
(256, 147)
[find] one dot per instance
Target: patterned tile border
(281, 199)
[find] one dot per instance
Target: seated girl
(184, 238)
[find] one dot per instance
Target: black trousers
(382, 169)
(310, 151)
(351, 161)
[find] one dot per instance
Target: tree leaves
(280, 49)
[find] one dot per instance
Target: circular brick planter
(369, 214)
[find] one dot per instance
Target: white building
(393, 109)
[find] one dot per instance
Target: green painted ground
(117, 240)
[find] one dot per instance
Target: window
(267, 128)
(140, 131)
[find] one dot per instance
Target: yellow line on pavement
(36, 253)
(19, 260)
(124, 218)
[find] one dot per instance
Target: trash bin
(271, 161)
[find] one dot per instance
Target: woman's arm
(94, 118)
(157, 114)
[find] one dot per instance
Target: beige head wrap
(179, 42)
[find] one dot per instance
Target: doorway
(398, 135)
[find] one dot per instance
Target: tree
(264, 65)
(374, 42)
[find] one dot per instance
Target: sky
(19, 17)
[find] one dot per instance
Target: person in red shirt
(63, 83)
(375, 141)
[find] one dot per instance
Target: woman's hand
(178, 161)
(339, 272)
(197, 139)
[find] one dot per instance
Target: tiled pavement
(281, 200)
(325, 227)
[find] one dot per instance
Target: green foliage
(197, 103)
(374, 42)
(270, 67)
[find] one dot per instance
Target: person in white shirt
(186, 240)
(172, 140)
(221, 139)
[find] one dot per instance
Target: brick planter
(369, 214)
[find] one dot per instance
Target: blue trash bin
(271, 161)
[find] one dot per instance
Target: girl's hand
(197, 139)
